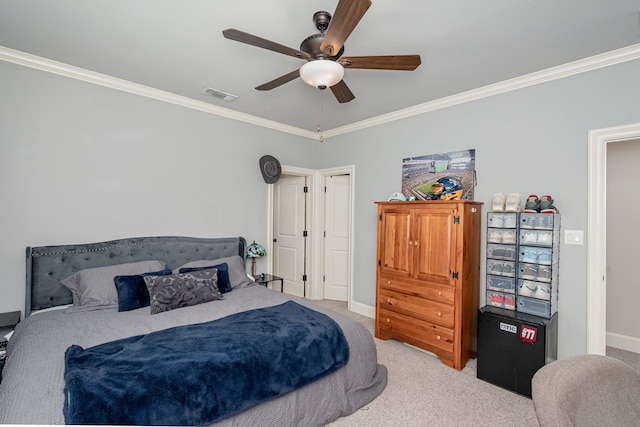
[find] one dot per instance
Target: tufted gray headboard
(48, 265)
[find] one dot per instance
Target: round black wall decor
(270, 168)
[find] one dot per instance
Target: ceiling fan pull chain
(319, 129)
(321, 124)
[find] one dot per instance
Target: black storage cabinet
(507, 357)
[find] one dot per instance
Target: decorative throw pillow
(237, 273)
(224, 285)
(132, 291)
(93, 288)
(182, 290)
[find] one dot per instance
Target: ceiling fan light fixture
(321, 73)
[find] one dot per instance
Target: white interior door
(289, 229)
(337, 234)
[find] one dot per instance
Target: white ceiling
(177, 46)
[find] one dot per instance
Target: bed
(36, 386)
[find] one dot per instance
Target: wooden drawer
(414, 331)
(420, 308)
(431, 291)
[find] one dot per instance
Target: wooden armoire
(428, 272)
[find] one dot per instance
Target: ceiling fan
(323, 52)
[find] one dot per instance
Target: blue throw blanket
(199, 374)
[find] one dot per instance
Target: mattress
(31, 391)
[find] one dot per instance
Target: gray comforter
(31, 391)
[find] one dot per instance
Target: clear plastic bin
(534, 306)
(499, 235)
(502, 219)
(501, 299)
(532, 289)
(497, 251)
(501, 284)
(536, 221)
(501, 268)
(530, 237)
(535, 255)
(536, 272)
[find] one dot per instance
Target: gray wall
(82, 163)
(532, 140)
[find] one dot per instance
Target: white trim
(340, 170)
(624, 342)
(363, 309)
(561, 71)
(316, 291)
(597, 231)
(59, 68)
(613, 57)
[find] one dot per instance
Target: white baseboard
(363, 309)
(623, 342)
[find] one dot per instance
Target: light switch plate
(574, 237)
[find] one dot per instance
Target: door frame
(323, 174)
(314, 288)
(597, 231)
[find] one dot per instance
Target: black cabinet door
(512, 347)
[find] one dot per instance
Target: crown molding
(66, 70)
(591, 63)
(613, 57)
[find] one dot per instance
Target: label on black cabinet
(509, 328)
(528, 334)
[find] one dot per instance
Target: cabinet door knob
(388, 282)
(388, 320)
(415, 243)
(410, 243)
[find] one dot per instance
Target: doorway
(317, 210)
(597, 221)
(623, 238)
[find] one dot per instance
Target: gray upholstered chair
(587, 390)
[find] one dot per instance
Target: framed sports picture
(444, 176)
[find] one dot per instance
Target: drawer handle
(439, 293)
(439, 314)
(388, 320)
(388, 282)
(389, 301)
(438, 337)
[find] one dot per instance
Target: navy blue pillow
(132, 291)
(224, 284)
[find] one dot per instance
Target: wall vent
(219, 94)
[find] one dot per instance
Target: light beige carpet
(629, 357)
(422, 391)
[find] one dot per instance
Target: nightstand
(8, 321)
(264, 279)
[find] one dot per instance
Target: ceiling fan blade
(389, 62)
(345, 18)
(280, 81)
(342, 92)
(242, 37)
